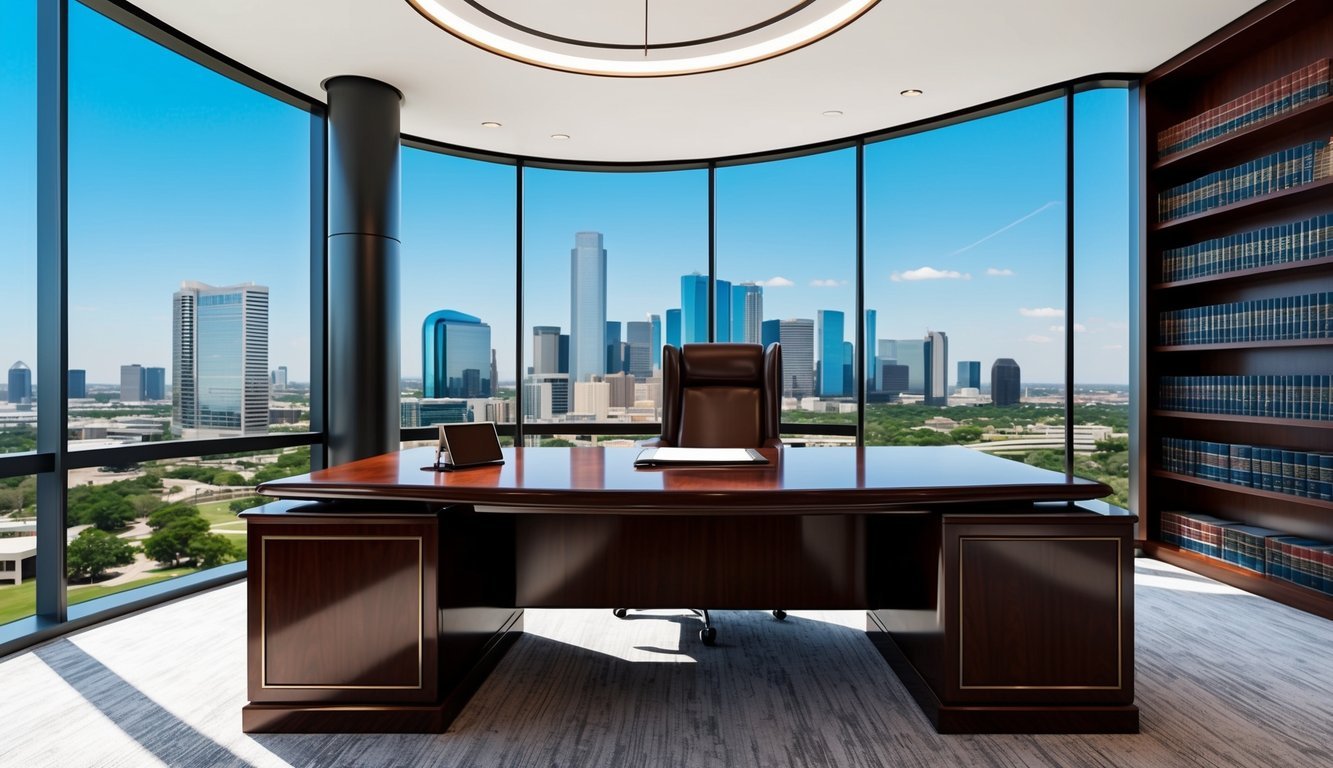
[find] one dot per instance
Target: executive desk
(1002, 604)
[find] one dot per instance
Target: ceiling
(960, 53)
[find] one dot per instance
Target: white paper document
(653, 457)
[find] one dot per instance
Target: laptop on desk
(474, 444)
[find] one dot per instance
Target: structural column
(363, 244)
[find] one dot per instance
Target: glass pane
(189, 287)
(18, 220)
(458, 290)
(965, 269)
(786, 265)
(1101, 288)
(18, 547)
(609, 261)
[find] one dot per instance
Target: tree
(11, 499)
(557, 443)
(145, 504)
(225, 477)
(242, 504)
(965, 434)
(101, 507)
(93, 551)
(209, 550)
(164, 516)
(171, 543)
(1112, 445)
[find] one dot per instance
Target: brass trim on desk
(263, 613)
(1119, 616)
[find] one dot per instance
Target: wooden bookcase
(1273, 40)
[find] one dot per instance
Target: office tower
(693, 308)
(77, 382)
(132, 384)
(536, 400)
(219, 359)
(1004, 382)
(621, 389)
(655, 341)
(911, 353)
(673, 331)
(592, 398)
(557, 386)
(545, 349)
(409, 412)
(798, 357)
(770, 332)
(937, 368)
(893, 377)
(639, 340)
(747, 313)
(722, 311)
(455, 355)
(282, 377)
(155, 383)
(495, 376)
(587, 307)
(615, 355)
(20, 383)
(438, 410)
(969, 374)
(848, 368)
(871, 349)
(828, 332)
(886, 349)
(562, 363)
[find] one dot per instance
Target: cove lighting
(490, 124)
(560, 136)
(815, 30)
(911, 92)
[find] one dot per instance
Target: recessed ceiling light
(911, 92)
(560, 136)
(490, 124)
(833, 113)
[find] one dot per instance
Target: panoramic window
(189, 278)
(612, 264)
(786, 268)
(1102, 259)
(457, 294)
(965, 270)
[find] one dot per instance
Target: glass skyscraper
(655, 342)
(456, 356)
(969, 374)
(20, 383)
(132, 384)
(587, 307)
(747, 313)
(673, 330)
(871, 348)
(1005, 377)
(78, 383)
(797, 337)
(638, 357)
(937, 368)
(220, 360)
(911, 353)
(694, 309)
(545, 349)
(829, 332)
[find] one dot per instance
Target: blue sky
(179, 174)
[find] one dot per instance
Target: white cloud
(1113, 346)
(1116, 326)
(827, 283)
(1078, 328)
(1006, 272)
(1041, 312)
(1035, 339)
(929, 273)
(776, 282)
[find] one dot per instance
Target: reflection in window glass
(18, 220)
(188, 247)
(1101, 288)
(613, 264)
(18, 547)
(965, 270)
(457, 294)
(786, 267)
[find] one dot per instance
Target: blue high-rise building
(638, 349)
(969, 374)
(694, 309)
(20, 383)
(747, 313)
(770, 332)
(655, 343)
(615, 357)
(155, 383)
(674, 332)
(456, 355)
(587, 307)
(871, 357)
(828, 341)
(219, 360)
(722, 324)
(78, 382)
(848, 368)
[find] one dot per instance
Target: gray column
(363, 174)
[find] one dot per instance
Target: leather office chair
(720, 396)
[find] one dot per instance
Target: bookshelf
(1237, 232)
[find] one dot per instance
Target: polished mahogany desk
(1002, 603)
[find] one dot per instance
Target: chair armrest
(772, 442)
(654, 442)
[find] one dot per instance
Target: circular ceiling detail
(658, 38)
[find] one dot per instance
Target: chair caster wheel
(708, 636)
(779, 614)
(620, 613)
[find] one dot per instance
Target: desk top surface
(604, 480)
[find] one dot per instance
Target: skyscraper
(848, 368)
(132, 384)
(871, 349)
(1004, 382)
(455, 355)
(911, 353)
(545, 349)
(673, 331)
(78, 382)
(219, 359)
(969, 374)
(655, 342)
(615, 354)
(20, 383)
(830, 337)
(797, 337)
(639, 339)
(155, 383)
(621, 389)
(587, 307)
(747, 313)
(694, 309)
(937, 368)
(770, 332)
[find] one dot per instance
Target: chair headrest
(722, 365)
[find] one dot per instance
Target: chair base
(707, 635)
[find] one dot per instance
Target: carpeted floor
(1223, 679)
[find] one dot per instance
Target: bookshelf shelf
(1273, 201)
(1324, 342)
(1260, 493)
(1269, 420)
(1274, 589)
(1203, 156)
(1242, 274)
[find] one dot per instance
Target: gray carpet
(1224, 679)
